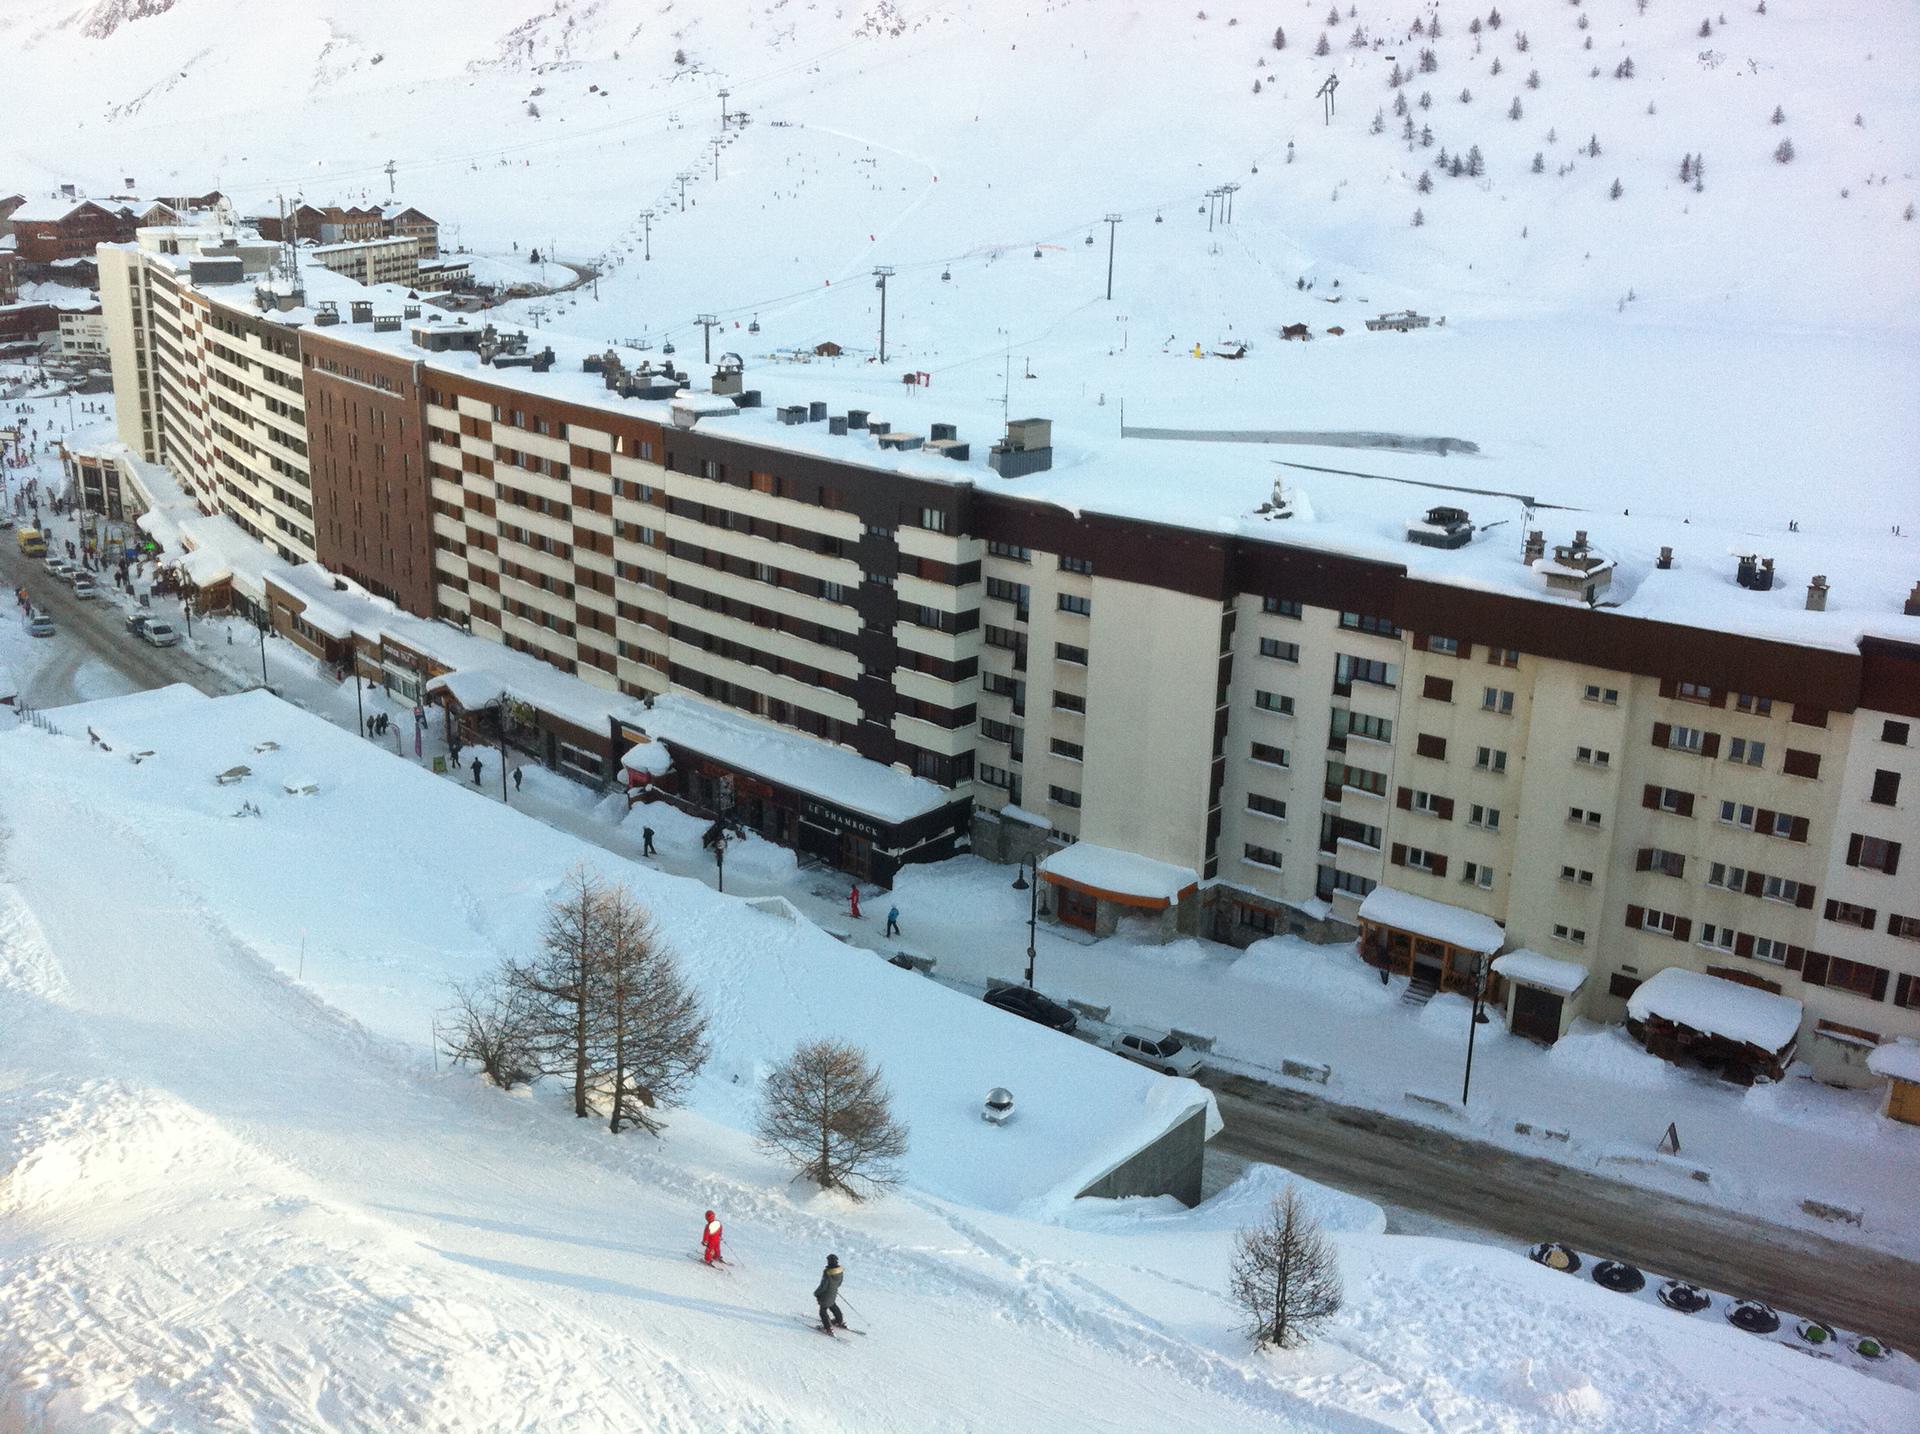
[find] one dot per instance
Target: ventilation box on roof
(1027, 448)
(1442, 528)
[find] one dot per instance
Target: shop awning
(1119, 876)
(1451, 925)
(1530, 968)
(1715, 1007)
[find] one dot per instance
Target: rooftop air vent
(729, 376)
(856, 418)
(792, 413)
(816, 411)
(837, 426)
(1817, 594)
(1027, 448)
(942, 430)
(1442, 528)
(361, 310)
(1755, 573)
(1576, 569)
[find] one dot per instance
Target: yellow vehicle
(32, 542)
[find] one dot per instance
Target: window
(1758, 706)
(1503, 656)
(996, 731)
(1271, 755)
(1000, 590)
(1686, 739)
(1495, 700)
(1894, 732)
(1778, 888)
(1855, 976)
(1605, 696)
(1437, 689)
(1083, 566)
(1366, 622)
(1907, 928)
(1694, 692)
(1851, 913)
(1665, 863)
(1068, 702)
(1428, 745)
(1348, 670)
(1622, 986)
(1281, 651)
(1485, 817)
(1721, 938)
(1067, 652)
(1429, 803)
(1273, 702)
(1063, 796)
(1886, 789)
(1012, 551)
(994, 776)
(933, 519)
(1421, 859)
(1280, 607)
(1261, 855)
(1738, 814)
(1576, 875)
(1079, 605)
(1809, 716)
(1478, 874)
(1583, 816)
(1359, 724)
(1256, 918)
(1490, 759)
(1592, 757)
(1573, 935)
(1665, 922)
(1733, 878)
(1801, 764)
(1266, 806)
(1446, 646)
(1873, 853)
(1072, 751)
(1752, 754)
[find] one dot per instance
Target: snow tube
(1813, 1332)
(1867, 1347)
(1684, 1298)
(1753, 1316)
(1620, 1278)
(1555, 1256)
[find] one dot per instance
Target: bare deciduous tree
(556, 986)
(1285, 1276)
(650, 1034)
(489, 1024)
(828, 1112)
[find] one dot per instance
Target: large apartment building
(1234, 727)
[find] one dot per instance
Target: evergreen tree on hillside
(1706, 29)
(1419, 218)
(1279, 38)
(1783, 153)
(1616, 191)
(1513, 110)
(1539, 162)
(1425, 186)
(1323, 48)
(1476, 162)
(1779, 115)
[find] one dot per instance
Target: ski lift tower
(882, 273)
(1325, 92)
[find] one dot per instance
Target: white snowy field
(237, 1193)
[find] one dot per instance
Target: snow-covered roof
(650, 757)
(208, 548)
(1120, 873)
(1454, 925)
(1530, 968)
(1897, 1060)
(806, 764)
(1717, 1007)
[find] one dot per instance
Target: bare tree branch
(1285, 1276)
(830, 1114)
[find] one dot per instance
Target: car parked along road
(1027, 1002)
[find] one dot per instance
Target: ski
(724, 1266)
(814, 1324)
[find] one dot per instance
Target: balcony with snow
(1426, 941)
(1097, 887)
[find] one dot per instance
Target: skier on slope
(710, 1239)
(827, 1295)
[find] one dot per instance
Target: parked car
(58, 567)
(40, 625)
(138, 620)
(6, 520)
(1162, 1053)
(159, 634)
(1023, 1001)
(85, 587)
(71, 573)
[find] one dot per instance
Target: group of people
(826, 1294)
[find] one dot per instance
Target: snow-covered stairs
(1419, 991)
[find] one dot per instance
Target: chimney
(361, 311)
(1580, 539)
(1913, 602)
(1817, 594)
(1536, 546)
(1666, 559)
(816, 411)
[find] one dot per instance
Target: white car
(159, 634)
(1162, 1053)
(85, 587)
(40, 625)
(58, 567)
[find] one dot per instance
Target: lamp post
(1479, 1019)
(359, 712)
(1020, 883)
(261, 626)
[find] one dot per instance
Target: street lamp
(1479, 1019)
(261, 625)
(1020, 883)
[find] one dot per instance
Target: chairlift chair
(1036, 251)
(754, 327)
(946, 276)
(667, 347)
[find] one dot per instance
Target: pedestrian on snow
(893, 921)
(646, 838)
(853, 900)
(710, 1239)
(516, 779)
(476, 771)
(373, 725)
(827, 1295)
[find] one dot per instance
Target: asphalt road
(96, 631)
(1402, 1163)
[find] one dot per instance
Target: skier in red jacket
(710, 1239)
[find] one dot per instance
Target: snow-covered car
(58, 567)
(85, 587)
(6, 519)
(40, 625)
(1025, 1001)
(71, 573)
(159, 634)
(1162, 1053)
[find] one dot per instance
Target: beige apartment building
(394, 259)
(1233, 731)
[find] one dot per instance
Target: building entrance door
(1075, 908)
(1536, 1013)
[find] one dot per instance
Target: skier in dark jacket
(827, 1295)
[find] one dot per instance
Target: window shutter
(1643, 860)
(1832, 908)
(1743, 944)
(1634, 914)
(1798, 831)
(1668, 687)
(1429, 745)
(1650, 797)
(1439, 866)
(1440, 689)
(1686, 804)
(1683, 930)
(1805, 898)
(1443, 808)
(1795, 956)
(1763, 822)
(1710, 745)
(1662, 733)
(1880, 983)
(1814, 969)
(1403, 799)
(1867, 917)
(1853, 849)
(1399, 855)
(1901, 990)
(1893, 858)
(1755, 881)
(1420, 644)
(1802, 764)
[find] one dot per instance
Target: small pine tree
(1323, 48)
(1686, 169)
(1513, 110)
(1400, 104)
(1358, 39)
(1539, 162)
(1419, 26)
(1379, 122)
(1779, 115)
(1473, 26)
(1256, 87)
(1419, 218)
(1859, 122)
(1476, 162)
(1433, 28)
(1426, 100)
(1493, 19)
(1425, 184)
(1426, 136)
(1593, 147)
(1466, 97)
(1583, 22)
(1496, 66)
(1279, 38)
(1398, 77)
(1761, 8)
(1624, 70)
(1533, 79)
(1706, 29)
(1783, 152)
(1521, 42)
(1456, 169)
(1285, 1275)
(1616, 191)
(1553, 136)
(1908, 216)
(1443, 161)
(1333, 17)
(1406, 130)
(1428, 62)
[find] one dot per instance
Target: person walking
(516, 779)
(710, 1239)
(476, 771)
(893, 921)
(853, 900)
(646, 840)
(827, 1295)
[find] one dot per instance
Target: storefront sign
(839, 820)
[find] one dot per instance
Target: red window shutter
(1763, 822)
(1686, 804)
(1419, 642)
(1804, 900)
(1755, 881)
(1853, 849)
(1643, 859)
(1650, 797)
(1901, 990)
(1799, 830)
(1668, 687)
(1443, 808)
(1399, 854)
(1867, 915)
(1439, 689)
(1439, 866)
(1634, 915)
(1880, 983)
(1795, 956)
(1710, 745)
(1743, 944)
(1403, 799)
(1801, 764)
(1662, 733)
(1833, 907)
(1683, 930)
(1814, 969)
(1893, 858)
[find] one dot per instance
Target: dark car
(1023, 1001)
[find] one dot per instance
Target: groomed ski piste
(238, 1191)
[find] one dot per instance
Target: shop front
(1426, 941)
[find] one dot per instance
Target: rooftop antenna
(882, 273)
(1325, 92)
